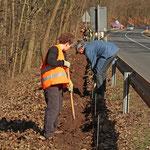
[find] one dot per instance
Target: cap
(79, 45)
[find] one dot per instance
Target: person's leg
(101, 76)
(99, 83)
(60, 106)
(51, 112)
(106, 66)
(107, 63)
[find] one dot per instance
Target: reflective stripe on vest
(53, 76)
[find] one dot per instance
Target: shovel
(73, 112)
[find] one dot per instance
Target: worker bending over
(100, 54)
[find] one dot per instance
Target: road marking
(135, 41)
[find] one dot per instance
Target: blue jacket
(99, 51)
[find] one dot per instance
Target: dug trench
(23, 106)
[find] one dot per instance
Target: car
(120, 26)
(130, 27)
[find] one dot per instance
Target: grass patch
(145, 142)
(135, 134)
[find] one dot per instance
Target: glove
(70, 86)
(66, 64)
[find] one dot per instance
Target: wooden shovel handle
(73, 112)
(71, 96)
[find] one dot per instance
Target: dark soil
(23, 106)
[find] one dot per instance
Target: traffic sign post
(98, 19)
(98, 22)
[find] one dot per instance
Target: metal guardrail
(141, 86)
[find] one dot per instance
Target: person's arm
(65, 55)
(52, 57)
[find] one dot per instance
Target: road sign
(86, 17)
(93, 13)
(98, 19)
(103, 19)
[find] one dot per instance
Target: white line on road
(136, 41)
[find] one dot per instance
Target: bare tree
(17, 42)
(27, 20)
(31, 46)
(68, 15)
(13, 36)
(13, 27)
(30, 51)
(62, 18)
(5, 30)
(46, 37)
(19, 39)
(80, 13)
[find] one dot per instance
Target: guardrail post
(113, 76)
(95, 104)
(93, 89)
(126, 92)
(98, 126)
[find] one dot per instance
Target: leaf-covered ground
(23, 106)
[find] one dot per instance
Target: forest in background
(29, 27)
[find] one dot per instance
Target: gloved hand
(70, 86)
(66, 64)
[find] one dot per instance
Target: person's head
(80, 48)
(66, 40)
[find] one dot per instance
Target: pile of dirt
(23, 106)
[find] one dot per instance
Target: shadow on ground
(18, 125)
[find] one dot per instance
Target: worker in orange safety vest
(54, 79)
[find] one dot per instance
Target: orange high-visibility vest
(52, 76)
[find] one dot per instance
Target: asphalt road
(134, 50)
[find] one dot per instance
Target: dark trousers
(54, 100)
(101, 76)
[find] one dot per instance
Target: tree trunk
(13, 28)
(31, 47)
(17, 44)
(5, 32)
(67, 15)
(28, 60)
(79, 18)
(46, 37)
(13, 37)
(62, 18)
(5, 18)
(25, 32)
